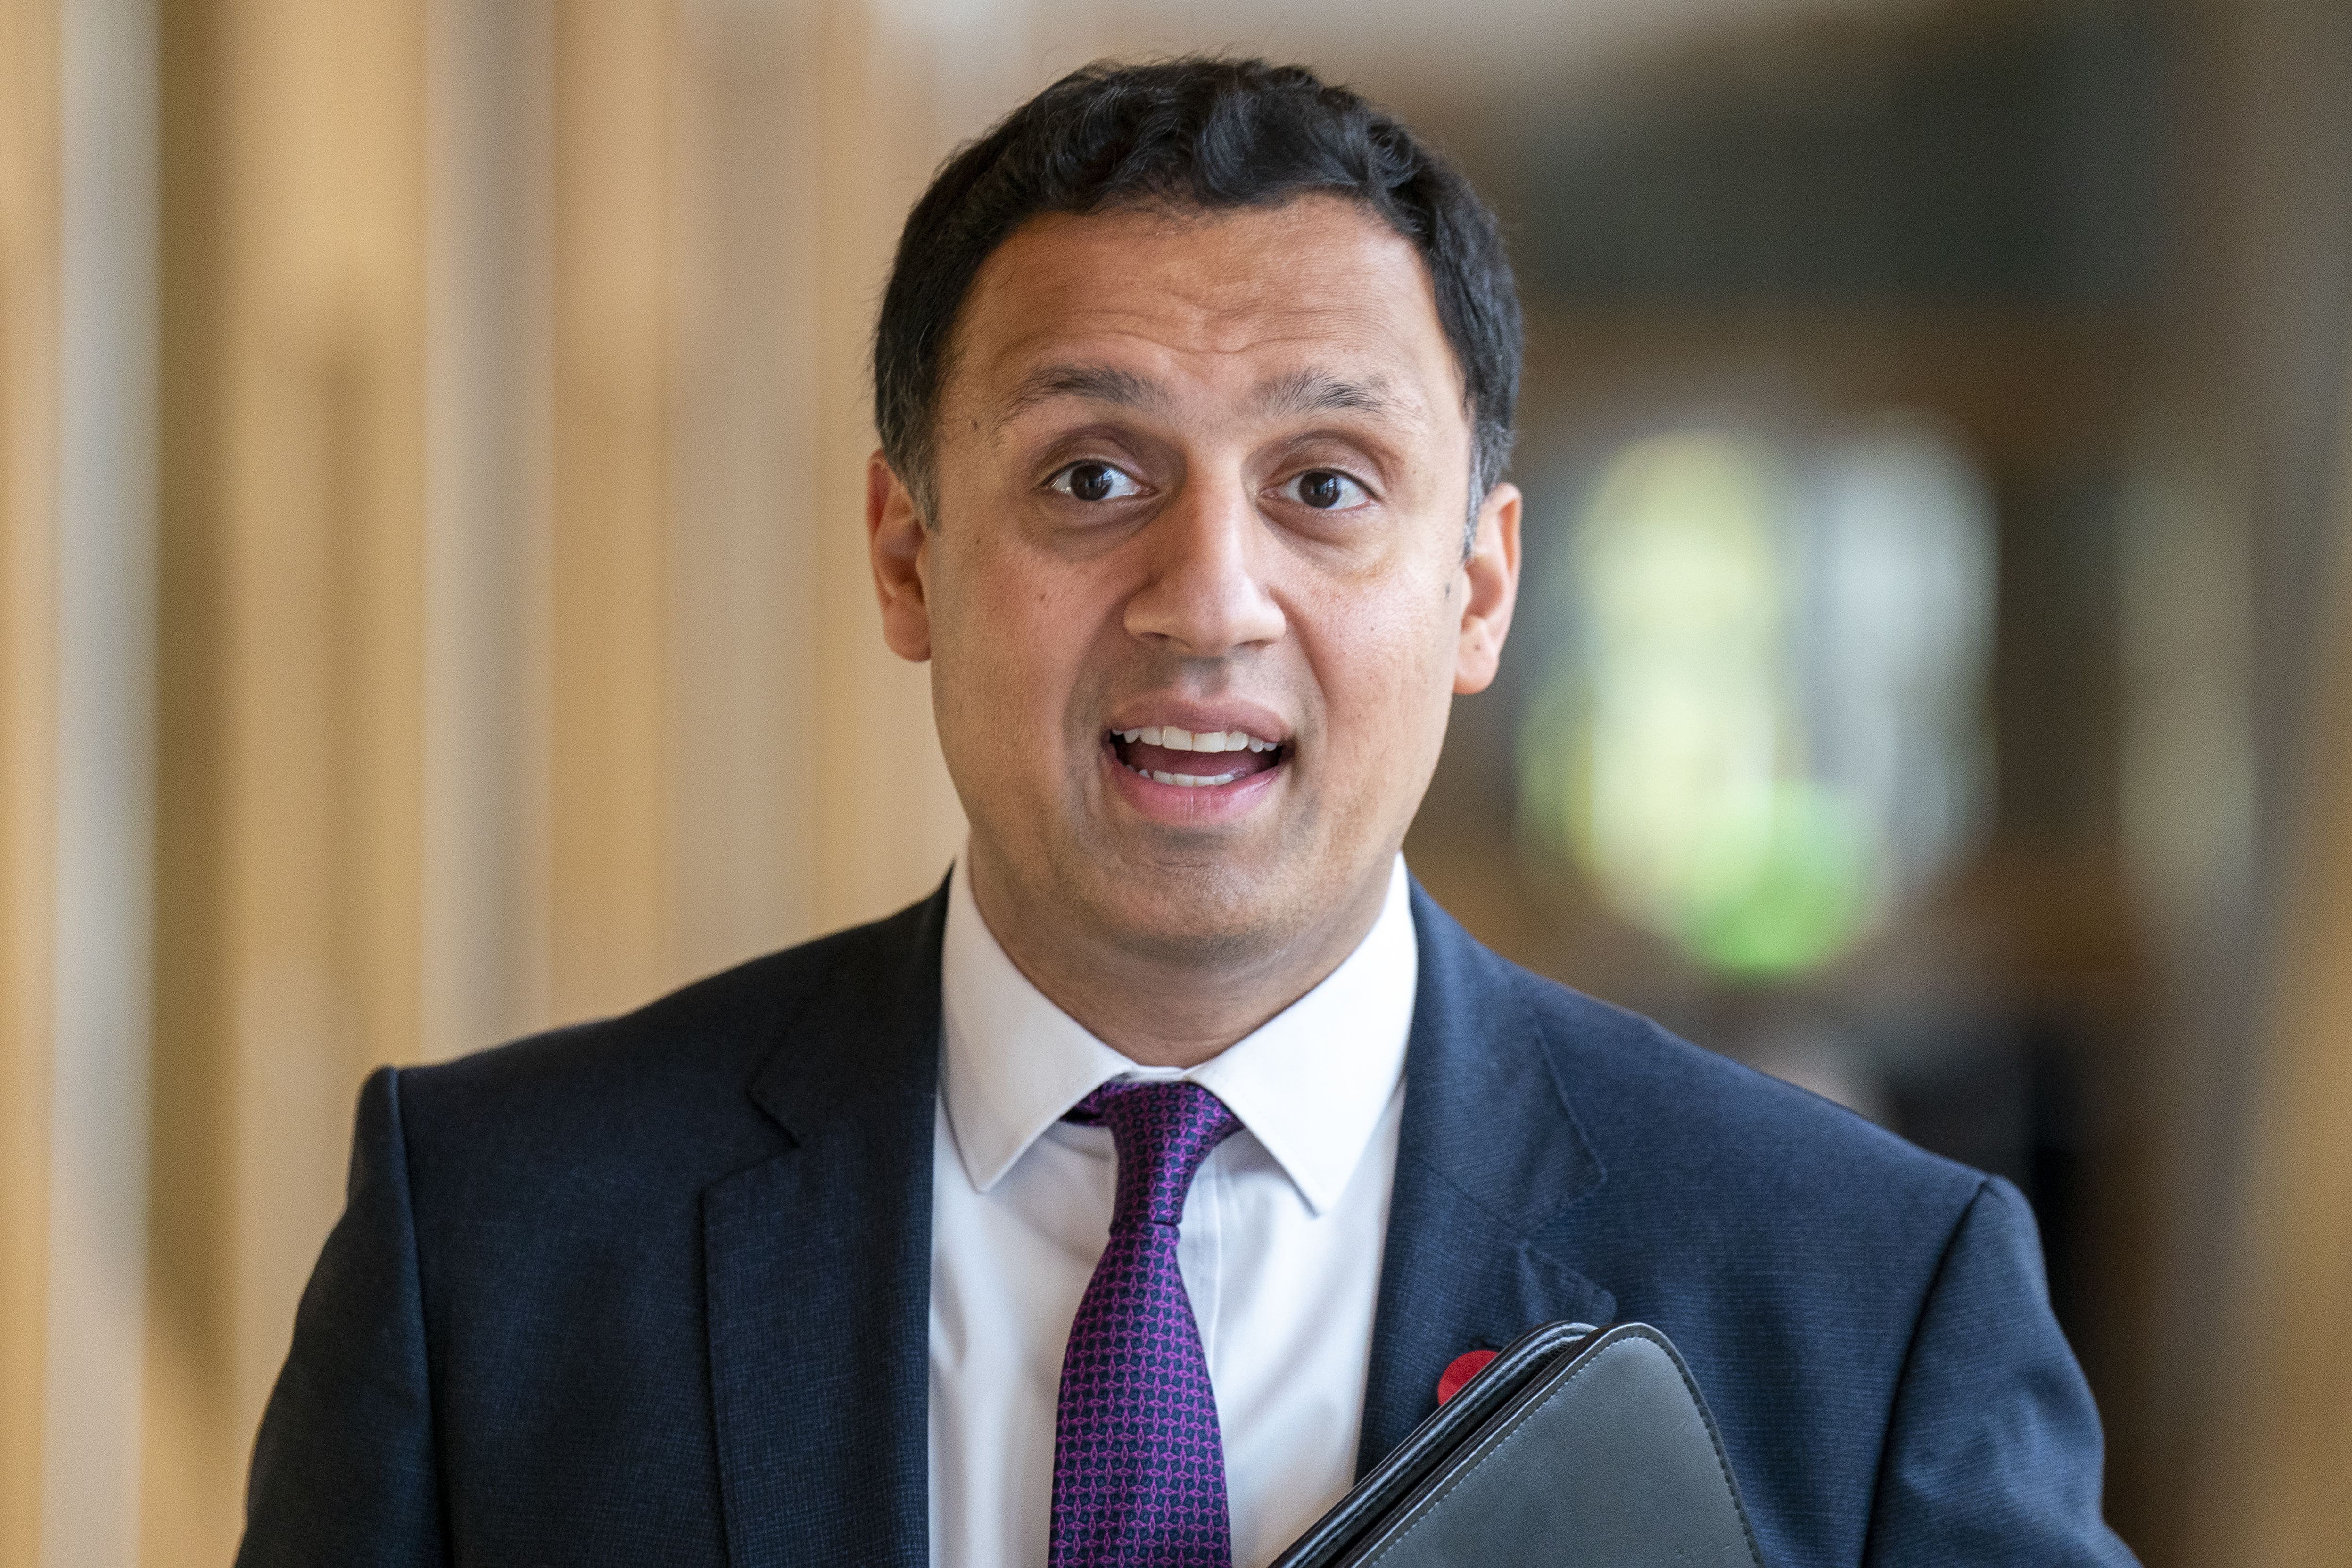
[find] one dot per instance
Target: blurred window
(1770, 723)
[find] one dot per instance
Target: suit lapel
(1489, 1153)
(818, 1260)
(818, 1268)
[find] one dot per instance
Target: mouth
(1205, 759)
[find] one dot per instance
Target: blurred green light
(1801, 896)
(1668, 757)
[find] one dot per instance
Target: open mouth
(1205, 759)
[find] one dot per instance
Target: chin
(1209, 915)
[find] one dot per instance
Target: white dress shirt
(1280, 1249)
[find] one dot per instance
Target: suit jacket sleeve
(1993, 1453)
(343, 1471)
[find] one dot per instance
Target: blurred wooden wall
(512, 581)
(290, 702)
(515, 657)
(2275, 1481)
(2264, 1196)
(28, 374)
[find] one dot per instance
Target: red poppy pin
(1461, 1369)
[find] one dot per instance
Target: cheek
(1387, 669)
(1011, 643)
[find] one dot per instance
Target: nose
(1206, 596)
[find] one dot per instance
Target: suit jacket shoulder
(1868, 1321)
(668, 1275)
(1664, 1110)
(630, 1092)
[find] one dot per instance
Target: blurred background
(433, 605)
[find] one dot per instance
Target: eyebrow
(1094, 383)
(1320, 392)
(1302, 392)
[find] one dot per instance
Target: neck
(1152, 1009)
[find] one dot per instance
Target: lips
(1190, 760)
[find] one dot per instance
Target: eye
(1325, 489)
(1094, 481)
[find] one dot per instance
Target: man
(1126, 1199)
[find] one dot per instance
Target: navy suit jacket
(656, 1290)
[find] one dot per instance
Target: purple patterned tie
(1138, 1463)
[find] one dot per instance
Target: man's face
(1195, 596)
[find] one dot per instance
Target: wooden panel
(735, 761)
(29, 371)
(610, 912)
(704, 747)
(484, 873)
(2277, 1487)
(745, 756)
(290, 776)
(900, 90)
(191, 1218)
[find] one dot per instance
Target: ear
(1493, 574)
(900, 548)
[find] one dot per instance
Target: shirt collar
(1310, 1084)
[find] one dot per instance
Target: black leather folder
(1577, 1448)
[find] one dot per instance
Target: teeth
(1205, 741)
(1189, 781)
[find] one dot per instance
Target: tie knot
(1163, 1132)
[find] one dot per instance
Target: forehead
(1206, 301)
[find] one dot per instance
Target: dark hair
(1202, 132)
